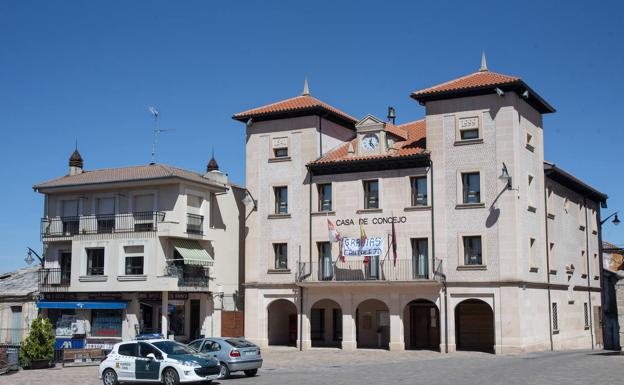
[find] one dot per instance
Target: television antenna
(155, 131)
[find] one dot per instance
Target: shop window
(371, 194)
(134, 260)
(281, 199)
(325, 197)
(419, 191)
(281, 256)
(473, 254)
(61, 320)
(471, 187)
(106, 323)
(95, 261)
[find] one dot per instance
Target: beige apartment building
(145, 249)
(496, 249)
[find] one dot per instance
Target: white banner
(373, 246)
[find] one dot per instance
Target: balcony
(188, 275)
(54, 280)
(405, 270)
(67, 227)
(194, 224)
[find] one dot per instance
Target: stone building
(18, 294)
(496, 249)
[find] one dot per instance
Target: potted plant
(37, 350)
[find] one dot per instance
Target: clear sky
(88, 70)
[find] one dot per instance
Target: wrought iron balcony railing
(194, 224)
(188, 275)
(370, 269)
(54, 279)
(101, 224)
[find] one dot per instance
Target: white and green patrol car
(157, 360)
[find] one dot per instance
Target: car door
(212, 349)
(124, 361)
(147, 368)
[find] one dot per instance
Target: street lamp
(616, 221)
(249, 199)
(29, 257)
(505, 176)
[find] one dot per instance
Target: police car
(157, 360)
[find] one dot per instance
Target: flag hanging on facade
(362, 236)
(394, 246)
(334, 235)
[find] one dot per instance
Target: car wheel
(251, 372)
(170, 377)
(225, 371)
(109, 377)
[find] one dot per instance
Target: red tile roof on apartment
(303, 103)
(414, 143)
(124, 174)
(474, 80)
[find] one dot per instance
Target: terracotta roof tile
(124, 174)
(474, 80)
(414, 142)
(299, 103)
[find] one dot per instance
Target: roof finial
(483, 62)
(306, 88)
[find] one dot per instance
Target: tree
(39, 344)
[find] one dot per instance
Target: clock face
(370, 142)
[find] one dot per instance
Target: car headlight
(192, 364)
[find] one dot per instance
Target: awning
(81, 305)
(192, 252)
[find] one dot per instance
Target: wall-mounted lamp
(505, 176)
(29, 257)
(249, 200)
(499, 91)
(616, 221)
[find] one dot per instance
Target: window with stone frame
(471, 187)
(472, 250)
(281, 199)
(419, 191)
(371, 194)
(281, 256)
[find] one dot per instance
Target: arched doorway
(372, 327)
(326, 324)
(474, 326)
(421, 321)
(282, 323)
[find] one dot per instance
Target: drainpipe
(591, 329)
(300, 318)
(602, 288)
(433, 258)
(548, 264)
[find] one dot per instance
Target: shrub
(39, 344)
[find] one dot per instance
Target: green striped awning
(192, 252)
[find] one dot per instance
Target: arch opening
(372, 327)
(474, 326)
(326, 324)
(421, 323)
(282, 323)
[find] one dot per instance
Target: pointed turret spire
(483, 62)
(212, 165)
(306, 88)
(76, 163)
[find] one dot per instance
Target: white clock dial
(370, 142)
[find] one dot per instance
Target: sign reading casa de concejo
(352, 247)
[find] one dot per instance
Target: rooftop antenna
(155, 132)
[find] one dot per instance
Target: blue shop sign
(69, 343)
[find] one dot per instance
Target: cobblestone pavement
(329, 366)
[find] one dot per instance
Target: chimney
(76, 163)
(391, 114)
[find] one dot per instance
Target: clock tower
(373, 136)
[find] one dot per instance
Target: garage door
(474, 325)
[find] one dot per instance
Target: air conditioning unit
(79, 327)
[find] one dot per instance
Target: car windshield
(237, 343)
(173, 348)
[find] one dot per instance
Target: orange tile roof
(296, 104)
(124, 174)
(474, 80)
(414, 142)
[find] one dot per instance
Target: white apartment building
(496, 249)
(145, 249)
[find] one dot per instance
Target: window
(582, 215)
(531, 193)
(553, 258)
(420, 258)
(529, 142)
(280, 152)
(145, 349)
(105, 215)
(471, 187)
(325, 261)
(596, 267)
(106, 323)
(134, 260)
(280, 147)
(325, 197)
(371, 194)
(555, 318)
(281, 200)
(95, 261)
(472, 250)
(586, 314)
(419, 190)
(533, 251)
(583, 264)
(194, 201)
(281, 256)
(468, 128)
(129, 350)
(70, 219)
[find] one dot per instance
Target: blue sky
(89, 70)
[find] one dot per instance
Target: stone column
(165, 314)
(132, 319)
(349, 341)
(397, 341)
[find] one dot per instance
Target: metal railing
(188, 275)
(370, 269)
(54, 279)
(194, 224)
(101, 224)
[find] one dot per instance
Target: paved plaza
(328, 366)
